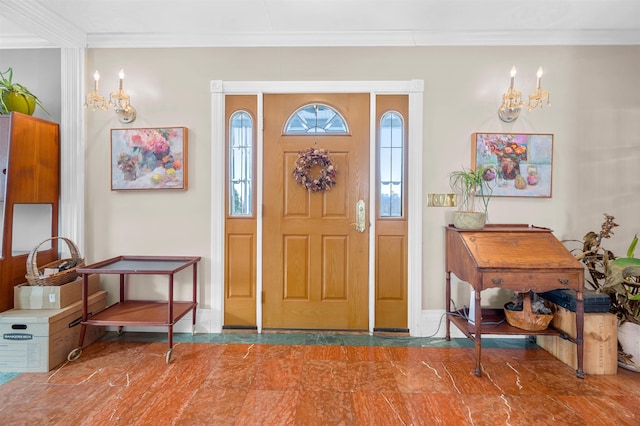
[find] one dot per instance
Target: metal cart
(163, 313)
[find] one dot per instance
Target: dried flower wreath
(309, 158)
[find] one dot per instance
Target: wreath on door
(309, 158)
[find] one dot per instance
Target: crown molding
(25, 41)
(43, 22)
(368, 39)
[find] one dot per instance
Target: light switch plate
(441, 200)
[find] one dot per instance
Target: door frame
(219, 89)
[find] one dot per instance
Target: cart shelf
(140, 313)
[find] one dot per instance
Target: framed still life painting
(150, 158)
(521, 162)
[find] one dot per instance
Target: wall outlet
(441, 200)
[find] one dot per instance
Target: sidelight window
(391, 166)
(241, 164)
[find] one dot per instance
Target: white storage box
(39, 340)
(27, 296)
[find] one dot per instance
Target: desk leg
(447, 305)
(478, 329)
(580, 332)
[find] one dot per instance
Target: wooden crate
(600, 341)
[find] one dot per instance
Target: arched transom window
(316, 118)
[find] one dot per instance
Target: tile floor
(314, 379)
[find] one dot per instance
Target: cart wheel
(120, 331)
(168, 360)
(74, 354)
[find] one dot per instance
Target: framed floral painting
(153, 158)
(520, 163)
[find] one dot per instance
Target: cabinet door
(30, 168)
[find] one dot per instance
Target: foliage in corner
(623, 280)
(617, 277)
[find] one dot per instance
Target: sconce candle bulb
(121, 76)
(513, 76)
(539, 75)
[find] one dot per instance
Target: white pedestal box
(37, 340)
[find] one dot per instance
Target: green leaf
(632, 247)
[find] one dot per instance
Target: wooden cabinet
(30, 176)
(520, 258)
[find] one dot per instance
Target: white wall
(595, 118)
(39, 71)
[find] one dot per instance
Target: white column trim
(72, 136)
(218, 168)
(415, 165)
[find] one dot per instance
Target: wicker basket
(33, 271)
(526, 319)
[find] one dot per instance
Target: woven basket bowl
(34, 276)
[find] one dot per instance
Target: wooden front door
(315, 262)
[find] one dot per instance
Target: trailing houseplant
(474, 187)
(16, 97)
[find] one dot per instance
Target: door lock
(361, 216)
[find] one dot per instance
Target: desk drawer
(530, 281)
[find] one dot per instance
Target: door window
(316, 118)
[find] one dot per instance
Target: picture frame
(522, 162)
(149, 159)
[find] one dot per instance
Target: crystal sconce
(118, 100)
(512, 101)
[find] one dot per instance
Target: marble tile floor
(314, 379)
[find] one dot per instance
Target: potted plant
(620, 279)
(622, 282)
(474, 187)
(16, 97)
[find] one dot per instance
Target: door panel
(315, 264)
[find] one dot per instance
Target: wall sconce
(118, 100)
(512, 101)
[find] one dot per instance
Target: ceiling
(197, 23)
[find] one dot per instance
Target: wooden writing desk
(520, 258)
